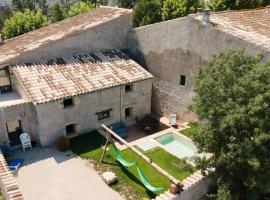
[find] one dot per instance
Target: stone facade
(179, 47)
(53, 118)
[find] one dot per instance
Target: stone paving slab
(48, 174)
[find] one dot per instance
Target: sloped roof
(250, 25)
(46, 80)
(32, 40)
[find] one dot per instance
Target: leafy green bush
(57, 13)
(79, 8)
(178, 8)
(147, 12)
(23, 22)
(62, 143)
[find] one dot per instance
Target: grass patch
(88, 146)
(189, 131)
(176, 167)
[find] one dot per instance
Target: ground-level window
(104, 114)
(71, 129)
(129, 88)
(183, 80)
(68, 102)
(128, 112)
(5, 84)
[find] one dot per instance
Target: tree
(21, 5)
(146, 12)
(233, 99)
(43, 7)
(127, 3)
(22, 22)
(178, 8)
(236, 4)
(80, 7)
(57, 13)
(5, 14)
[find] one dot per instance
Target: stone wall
(179, 47)
(53, 119)
(23, 112)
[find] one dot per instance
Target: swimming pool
(177, 145)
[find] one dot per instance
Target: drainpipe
(121, 103)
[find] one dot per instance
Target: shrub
(23, 22)
(178, 8)
(57, 13)
(147, 12)
(62, 143)
(79, 8)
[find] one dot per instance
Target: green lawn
(173, 165)
(88, 146)
(189, 131)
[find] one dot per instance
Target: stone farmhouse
(68, 77)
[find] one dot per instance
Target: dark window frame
(73, 127)
(183, 80)
(128, 112)
(104, 114)
(128, 88)
(69, 102)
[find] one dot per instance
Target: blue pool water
(177, 145)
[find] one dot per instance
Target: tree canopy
(24, 22)
(80, 7)
(146, 12)
(218, 5)
(178, 8)
(233, 101)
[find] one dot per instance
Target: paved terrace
(48, 174)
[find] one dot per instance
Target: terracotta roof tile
(32, 40)
(250, 25)
(47, 80)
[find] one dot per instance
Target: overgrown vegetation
(233, 98)
(153, 11)
(219, 5)
(24, 22)
(89, 147)
(79, 8)
(28, 15)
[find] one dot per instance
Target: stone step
(169, 194)
(190, 179)
(165, 197)
(159, 198)
(187, 182)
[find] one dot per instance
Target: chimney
(206, 17)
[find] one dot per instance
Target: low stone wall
(8, 184)
(195, 187)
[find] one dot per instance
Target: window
(68, 102)
(70, 129)
(183, 80)
(129, 88)
(103, 114)
(5, 85)
(128, 112)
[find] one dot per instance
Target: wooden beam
(148, 160)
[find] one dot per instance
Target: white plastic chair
(173, 120)
(26, 141)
